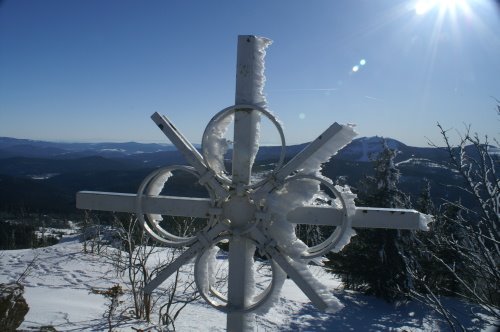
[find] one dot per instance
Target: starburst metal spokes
(237, 213)
(257, 213)
(251, 216)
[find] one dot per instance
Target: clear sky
(95, 70)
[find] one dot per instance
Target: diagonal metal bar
(204, 240)
(300, 280)
(183, 259)
(166, 205)
(333, 133)
(292, 271)
(364, 217)
(304, 155)
(193, 157)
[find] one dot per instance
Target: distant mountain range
(361, 149)
(14, 147)
(44, 176)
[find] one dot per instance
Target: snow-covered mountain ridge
(365, 149)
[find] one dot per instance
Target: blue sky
(95, 70)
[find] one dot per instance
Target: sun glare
(424, 6)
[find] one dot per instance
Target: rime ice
(252, 217)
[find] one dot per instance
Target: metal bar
(172, 267)
(245, 136)
(301, 281)
(193, 157)
(308, 151)
(240, 257)
(166, 205)
(335, 134)
(297, 274)
(197, 247)
(364, 217)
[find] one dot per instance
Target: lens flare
(355, 68)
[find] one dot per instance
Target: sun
(424, 6)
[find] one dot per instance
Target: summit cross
(251, 215)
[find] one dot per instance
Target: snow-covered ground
(58, 292)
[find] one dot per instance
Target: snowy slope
(365, 149)
(58, 293)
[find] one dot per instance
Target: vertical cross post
(241, 249)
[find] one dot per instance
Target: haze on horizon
(96, 70)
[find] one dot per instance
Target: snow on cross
(251, 215)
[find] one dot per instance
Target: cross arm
(364, 217)
(166, 205)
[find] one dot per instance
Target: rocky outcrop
(13, 306)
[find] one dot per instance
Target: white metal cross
(251, 215)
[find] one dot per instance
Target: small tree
(134, 259)
(424, 201)
(463, 246)
(91, 233)
(376, 260)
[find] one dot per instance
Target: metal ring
(260, 299)
(148, 223)
(327, 245)
(230, 111)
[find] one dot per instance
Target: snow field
(58, 292)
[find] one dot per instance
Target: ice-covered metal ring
(152, 185)
(203, 276)
(216, 129)
(342, 233)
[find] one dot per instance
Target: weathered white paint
(193, 157)
(166, 205)
(249, 85)
(364, 217)
(234, 209)
(335, 134)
